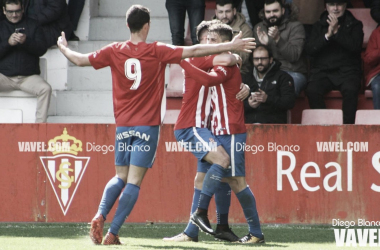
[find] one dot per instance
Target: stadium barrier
(299, 174)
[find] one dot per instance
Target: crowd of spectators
(318, 43)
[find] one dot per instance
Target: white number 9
(136, 75)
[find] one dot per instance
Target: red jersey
(228, 112)
(138, 73)
(196, 101)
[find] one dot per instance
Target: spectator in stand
(75, 8)
(226, 13)
(272, 90)
(335, 46)
(372, 62)
(251, 10)
(177, 12)
(52, 15)
(286, 38)
(22, 44)
(375, 10)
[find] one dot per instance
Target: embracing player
(228, 128)
(194, 115)
(138, 70)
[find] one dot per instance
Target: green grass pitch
(67, 236)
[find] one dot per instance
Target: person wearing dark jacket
(272, 90)
(286, 38)
(22, 43)
(335, 47)
(52, 15)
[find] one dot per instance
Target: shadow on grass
(267, 244)
(273, 233)
(173, 247)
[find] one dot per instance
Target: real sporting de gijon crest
(64, 169)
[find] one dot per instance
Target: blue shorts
(198, 141)
(136, 145)
(233, 144)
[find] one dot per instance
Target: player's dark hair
(16, 2)
(224, 2)
(137, 15)
(264, 47)
(203, 27)
(223, 30)
(267, 2)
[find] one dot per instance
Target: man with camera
(21, 45)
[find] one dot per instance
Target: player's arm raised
(77, 58)
(237, 44)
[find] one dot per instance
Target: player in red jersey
(195, 112)
(138, 87)
(229, 129)
(195, 107)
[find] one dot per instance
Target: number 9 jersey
(138, 79)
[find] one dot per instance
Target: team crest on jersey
(65, 169)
